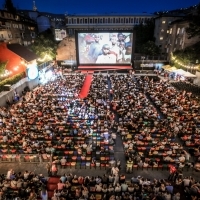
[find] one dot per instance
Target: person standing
(48, 167)
(129, 165)
(95, 49)
(54, 169)
(107, 57)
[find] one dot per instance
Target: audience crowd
(159, 127)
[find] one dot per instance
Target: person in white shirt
(106, 57)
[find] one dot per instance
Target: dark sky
(102, 6)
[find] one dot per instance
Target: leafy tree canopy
(2, 67)
(45, 44)
(194, 23)
(144, 43)
(189, 55)
(9, 6)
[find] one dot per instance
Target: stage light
(32, 72)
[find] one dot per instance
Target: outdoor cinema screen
(105, 48)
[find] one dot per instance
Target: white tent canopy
(189, 75)
(184, 73)
(179, 71)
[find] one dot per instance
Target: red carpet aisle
(52, 185)
(86, 86)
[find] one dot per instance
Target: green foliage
(189, 55)
(149, 48)
(145, 39)
(9, 6)
(11, 81)
(194, 23)
(2, 67)
(45, 44)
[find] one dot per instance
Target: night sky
(102, 6)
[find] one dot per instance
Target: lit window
(167, 31)
(178, 31)
(161, 38)
(163, 22)
(170, 31)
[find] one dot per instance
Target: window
(20, 26)
(181, 40)
(69, 21)
(167, 31)
(170, 31)
(178, 31)
(74, 21)
(8, 26)
(33, 34)
(182, 30)
(9, 35)
(132, 20)
(161, 38)
(176, 41)
(162, 30)
(15, 25)
(95, 21)
(91, 21)
(85, 21)
(122, 20)
(163, 22)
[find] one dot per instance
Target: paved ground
(40, 169)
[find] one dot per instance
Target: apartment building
(170, 33)
(16, 29)
(178, 39)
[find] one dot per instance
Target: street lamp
(143, 58)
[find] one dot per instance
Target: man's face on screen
(97, 38)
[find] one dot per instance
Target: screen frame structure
(99, 32)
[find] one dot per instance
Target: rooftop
(22, 51)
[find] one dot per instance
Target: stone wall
(18, 87)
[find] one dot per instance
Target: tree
(194, 24)
(9, 6)
(2, 67)
(144, 43)
(45, 44)
(149, 48)
(188, 56)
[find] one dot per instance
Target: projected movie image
(105, 48)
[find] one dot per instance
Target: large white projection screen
(105, 48)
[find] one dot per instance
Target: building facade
(104, 22)
(16, 28)
(170, 34)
